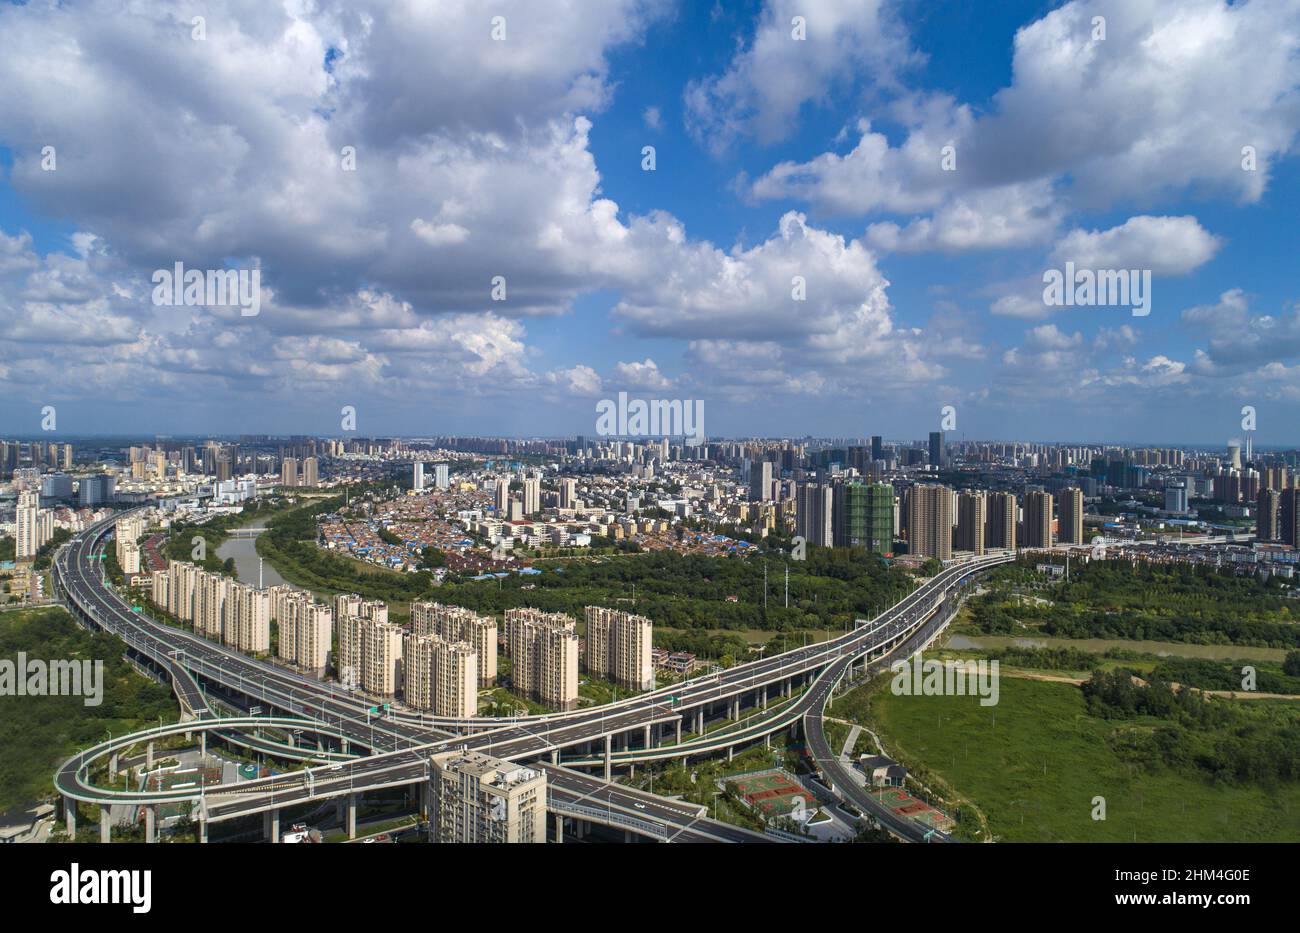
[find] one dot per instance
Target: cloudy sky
(841, 234)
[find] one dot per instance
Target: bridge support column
(699, 721)
(608, 749)
(764, 696)
(112, 764)
(735, 709)
(731, 752)
(105, 827)
(627, 835)
(150, 823)
(352, 816)
(70, 816)
(648, 738)
(203, 830)
(559, 827)
(203, 744)
(148, 759)
(271, 825)
(555, 756)
(426, 801)
(679, 732)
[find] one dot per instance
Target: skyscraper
(938, 455)
(877, 447)
(760, 481)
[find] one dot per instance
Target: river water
(244, 551)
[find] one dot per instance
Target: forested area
(38, 732)
(1159, 602)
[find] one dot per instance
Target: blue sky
(776, 157)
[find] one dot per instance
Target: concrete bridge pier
(148, 759)
(426, 800)
(559, 827)
(150, 823)
(70, 816)
(679, 731)
(763, 696)
(352, 816)
(734, 712)
(105, 827)
(649, 743)
(203, 744)
(271, 825)
(203, 830)
(699, 720)
(555, 756)
(608, 750)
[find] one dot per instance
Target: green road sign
(135, 608)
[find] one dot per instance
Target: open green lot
(1035, 762)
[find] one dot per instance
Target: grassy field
(1034, 763)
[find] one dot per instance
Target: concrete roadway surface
(838, 773)
(510, 741)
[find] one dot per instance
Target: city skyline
(848, 218)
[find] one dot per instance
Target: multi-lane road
(402, 743)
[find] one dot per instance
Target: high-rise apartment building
(289, 472)
(310, 479)
(1288, 530)
(815, 513)
(440, 676)
(1002, 521)
(618, 647)
(929, 521)
(972, 519)
(456, 624)
(1038, 519)
(27, 539)
(532, 495)
(1266, 515)
(441, 475)
(1070, 527)
(480, 799)
(381, 658)
(760, 481)
(304, 627)
(543, 648)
